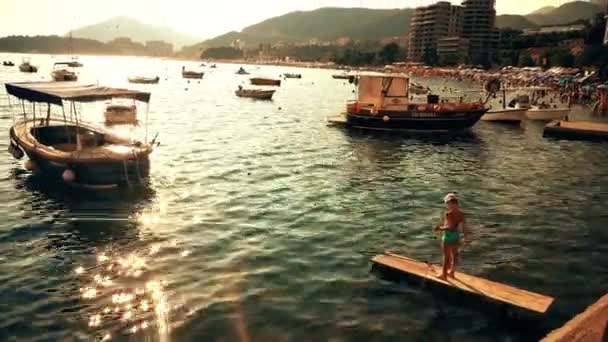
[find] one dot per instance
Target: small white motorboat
(512, 115)
(547, 114)
(62, 73)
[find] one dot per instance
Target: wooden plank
(589, 326)
(463, 282)
(585, 126)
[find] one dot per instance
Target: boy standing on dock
(453, 224)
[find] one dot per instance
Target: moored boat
(191, 74)
(242, 71)
(292, 75)
(265, 81)
(119, 112)
(504, 114)
(383, 104)
(8, 63)
(342, 76)
(508, 115)
(26, 66)
(546, 114)
(70, 151)
(144, 80)
(61, 72)
(259, 94)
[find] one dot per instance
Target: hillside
(566, 13)
(325, 24)
(544, 10)
(127, 27)
(516, 22)
(330, 24)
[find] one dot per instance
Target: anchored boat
(120, 112)
(191, 74)
(26, 66)
(292, 75)
(265, 81)
(144, 80)
(61, 72)
(259, 94)
(64, 148)
(384, 104)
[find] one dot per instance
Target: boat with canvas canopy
(61, 147)
(384, 103)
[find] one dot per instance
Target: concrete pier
(589, 326)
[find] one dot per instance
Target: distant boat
(242, 71)
(265, 81)
(259, 94)
(203, 65)
(342, 76)
(191, 74)
(8, 63)
(292, 75)
(25, 66)
(144, 80)
(75, 63)
(213, 66)
(120, 113)
(61, 72)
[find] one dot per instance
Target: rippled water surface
(259, 221)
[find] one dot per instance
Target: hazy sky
(201, 18)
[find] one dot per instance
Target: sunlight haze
(204, 19)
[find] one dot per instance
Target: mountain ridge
(332, 23)
(138, 31)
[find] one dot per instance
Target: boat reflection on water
(118, 268)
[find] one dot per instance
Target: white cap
(450, 197)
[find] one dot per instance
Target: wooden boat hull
(505, 115)
(409, 121)
(548, 114)
(117, 163)
(265, 82)
(292, 76)
(193, 75)
(143, 80)
(577, 130)
(258, 94)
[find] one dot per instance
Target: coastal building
(428, 25)
(452, 50)
(478, 20)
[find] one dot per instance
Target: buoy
(68, 176)
(280, 108)
(30, 165)
(385, 118)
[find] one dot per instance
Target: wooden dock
(464, 283)
(579, 130)
(589, 326)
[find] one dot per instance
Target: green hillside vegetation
(325, 24)
(565, 14)
(60, 45)
(544, 10)
(516, 22)
(135, 30)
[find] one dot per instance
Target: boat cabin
(383, 91)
